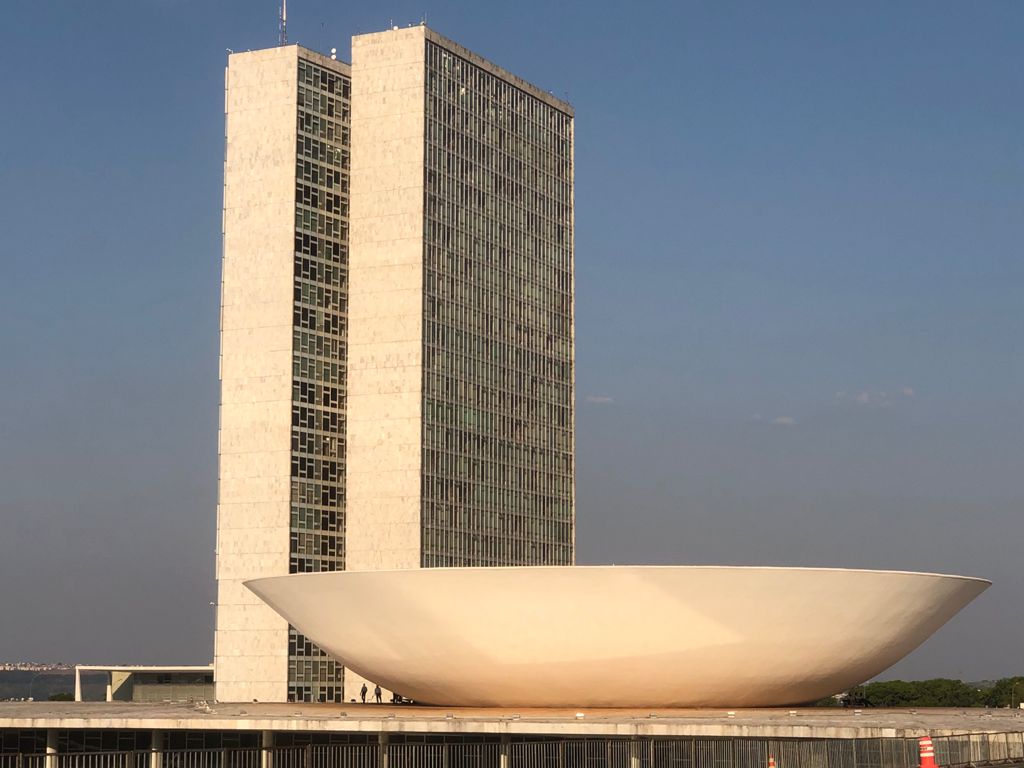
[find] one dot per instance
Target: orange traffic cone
(771, 761)
(927, 752)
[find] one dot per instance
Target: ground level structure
(211, 735)
(149, 683)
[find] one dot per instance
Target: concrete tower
(403, 397)
(284, 296)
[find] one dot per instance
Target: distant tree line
(940, 692)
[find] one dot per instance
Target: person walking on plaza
(362, 693)
(376, 691)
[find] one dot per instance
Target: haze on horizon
(799, 284)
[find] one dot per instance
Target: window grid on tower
(498, 430)
(319, 334)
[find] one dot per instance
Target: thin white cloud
(876, 398)
(784, 421)
(599, 399)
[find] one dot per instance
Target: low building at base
(151, 683)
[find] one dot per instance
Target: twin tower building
(397, 339)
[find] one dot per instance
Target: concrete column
(51, 748)
(634, 753)
(504, 749)
(382, 750)
(78, 684)
(266, 755)
(156, 749)
(110, 686)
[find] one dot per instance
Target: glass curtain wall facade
(317, 525)
(498, 401)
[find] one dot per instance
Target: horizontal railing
(979, 749)
(959, 751)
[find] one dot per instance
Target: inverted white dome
(618, 636)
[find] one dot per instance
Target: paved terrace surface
(753, 723)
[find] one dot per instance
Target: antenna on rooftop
(282, 24)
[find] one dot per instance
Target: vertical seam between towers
(289, 681)
(572, 331)
(423, 304)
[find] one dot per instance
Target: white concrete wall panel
(385, 349)
(385, 303)
(251, 641)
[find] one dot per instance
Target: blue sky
(799, 288)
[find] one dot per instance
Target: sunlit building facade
(397, 332)
(284, 294)
(497, 333)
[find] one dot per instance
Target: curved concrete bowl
(618, 636)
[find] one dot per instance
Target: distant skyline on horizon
(798, 278)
